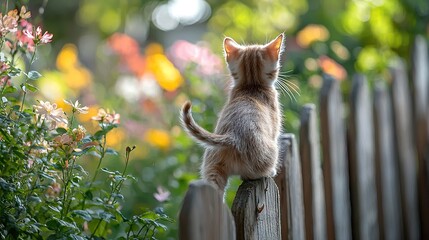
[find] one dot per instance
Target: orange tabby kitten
(245, 141)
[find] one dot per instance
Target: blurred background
(145, 58)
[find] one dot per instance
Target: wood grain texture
(335, 164)
(404, 144)
(420, 79)
(389, 195)
(362, 166)
(204, 215)
(314, 198)
(289, 183)
(256, 210)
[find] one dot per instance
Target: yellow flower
(67, 58)
(77, 78)
(158, 138)
(168, 76)
(92, 111)
(115, 137)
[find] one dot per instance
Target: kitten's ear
(231, 48)
(275, 47)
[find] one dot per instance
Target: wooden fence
(364, 175)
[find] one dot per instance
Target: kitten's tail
(200, 134)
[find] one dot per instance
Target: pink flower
(8, 23)
(23, 40)
(184, 53)
(107, 117)
(37, 35)
(77, 107)
(51, 112)
(162, 195)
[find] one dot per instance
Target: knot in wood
(260, 207)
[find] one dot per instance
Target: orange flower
(331, 67)
(123, 44)
(312, 33)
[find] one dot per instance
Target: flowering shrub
(45, 192)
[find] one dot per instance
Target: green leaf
(118, 195)
(9, 89)
(83, 214)
(76, 179)
(31, 87)
(35, 199)
(76, 237)
(44, 175)
(53, 224)
(111, 151)
(106, 216)
(14, 72)
(61, 130)
(88, 195)
(55, 209)
(58, 225)
(34, 75)
(105, 129)
(107, 171)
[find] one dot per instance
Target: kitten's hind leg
(218, 178)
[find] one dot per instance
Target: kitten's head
(255, 65)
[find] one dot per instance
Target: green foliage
(45, 192)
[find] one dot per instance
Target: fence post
(335, 165)
(421, 111)
(362, 167)
(389, 197)
(204, 215)
(314, 199)
(289, 182)
(256, 210)
(406, 150)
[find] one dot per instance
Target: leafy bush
(45, 192)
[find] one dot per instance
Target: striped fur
(245, 140)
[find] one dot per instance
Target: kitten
(245, 141)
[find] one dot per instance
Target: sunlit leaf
(34, 75)
(31, 87)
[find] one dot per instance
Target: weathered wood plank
(335, 164)
(362, 167)
(289, 182)
(204, 215)
(314, 198)
(256, 210)
(404, 144)
(421, 110)
(389, 196)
